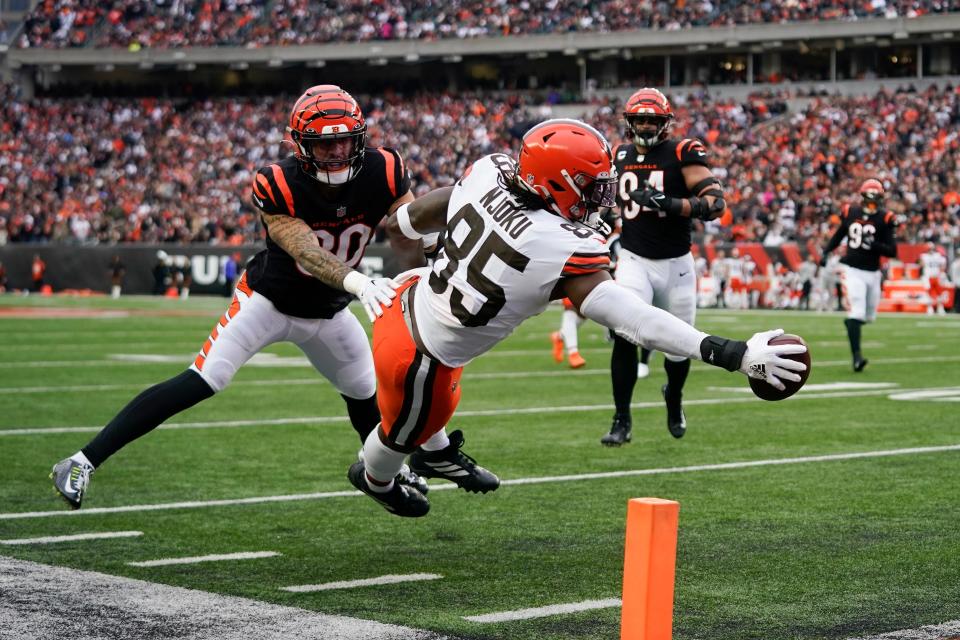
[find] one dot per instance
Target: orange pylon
(649, 567)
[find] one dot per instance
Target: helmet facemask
(336, 170)
(639, 130)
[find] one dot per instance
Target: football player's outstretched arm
(601, 299)
(297, 239)
(422, 220)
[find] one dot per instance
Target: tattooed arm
(296, 238)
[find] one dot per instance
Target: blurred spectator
(3, 278)
(162, 278)
(38, 269)
(231, 268)
(117, 271)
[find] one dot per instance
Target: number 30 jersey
(343, 226)
(499, 264)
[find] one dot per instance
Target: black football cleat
(400, 500)
(620, 432)
(676, 420)
(454, 465)
(859, 364)
(70, 480)
(410, 479)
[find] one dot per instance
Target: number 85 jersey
(499, 265)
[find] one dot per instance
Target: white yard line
(366, 582)
(542, 612)
(57, 602)
(219, 557)
(515, 482)
(215, 424)
(79, 536)
(943, 631)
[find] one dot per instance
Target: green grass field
(807, 549)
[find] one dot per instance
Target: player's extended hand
(650, 198)
(373, 293)
(764, 361)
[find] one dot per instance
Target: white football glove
(373, 293)
(764, 361)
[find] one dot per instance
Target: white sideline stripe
(802, 395)
(366, 582)
(929, 632)
(279, 362)
(57, 602)
(243, 555)
(78, 536)
(519, 481)
(542, 612)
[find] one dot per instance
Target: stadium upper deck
(262, 23)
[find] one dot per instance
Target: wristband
(403, 221)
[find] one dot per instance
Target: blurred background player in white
(806, 274)
(737, 293)
(955, 279)
(869, 231)
(933, 265)
(518, 235)
(567, 339)
(664, 184)
(720, 270)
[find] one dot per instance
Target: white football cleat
(643, 370)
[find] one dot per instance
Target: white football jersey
(933, 264)
(499, 264)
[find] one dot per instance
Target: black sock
(645, 355)
(364, 415)
(623, 371)
(145, 412)
(676, 375)
(853, 333)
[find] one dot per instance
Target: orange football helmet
(648, 115)
(569, 165)
(872, 193)
(322, 115)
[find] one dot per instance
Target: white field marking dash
(542, 612)
(517, 482)
(930, 632)
(803, 395)
(79, 536)
(243, 555)
(366, 582)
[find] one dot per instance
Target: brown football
(767, 391)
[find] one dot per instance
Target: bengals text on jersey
(654, 234)
(344, 226)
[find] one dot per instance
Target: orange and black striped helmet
(323, 114)
(645, 108)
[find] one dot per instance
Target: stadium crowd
(136, 24)
(156, 170)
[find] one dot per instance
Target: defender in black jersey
(320, 207)
(664, 184)
(870, 233)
